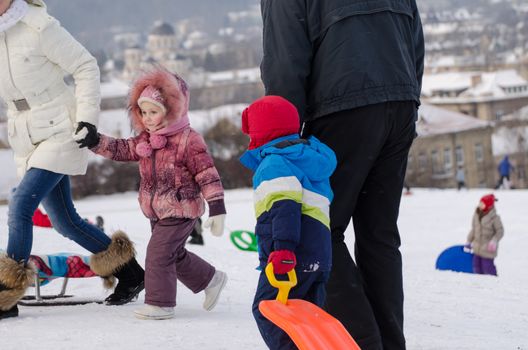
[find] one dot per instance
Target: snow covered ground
(443, 310)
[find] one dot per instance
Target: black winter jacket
(326, 56)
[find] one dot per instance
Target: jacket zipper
(154, 183)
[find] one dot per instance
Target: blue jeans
(53, 190)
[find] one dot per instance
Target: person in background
(460, 177)
(177, 174)
(483, 239)
(353, 69)
(505, 168)
(40, 219)
(42, 114)
(407, 187)
(292, 195)
(196, 234)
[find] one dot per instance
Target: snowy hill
(443, 310)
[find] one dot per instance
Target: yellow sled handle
(283, 286)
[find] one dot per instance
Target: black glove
(88, 138)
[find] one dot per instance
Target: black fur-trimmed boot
(14, 279)
(118, 261)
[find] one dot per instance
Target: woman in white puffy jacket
(44, 116)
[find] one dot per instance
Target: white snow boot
(213, 289)
(152, 312)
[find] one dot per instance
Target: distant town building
(161, 48)
(510, 138)
(114, 94)
(484, 95)
(212, 89)
(448, 140)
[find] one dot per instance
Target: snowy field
(443, 310)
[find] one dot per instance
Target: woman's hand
(86, 135)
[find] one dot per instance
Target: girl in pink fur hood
(177, 173)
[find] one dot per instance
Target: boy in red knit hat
(486, 231)
(292, 198)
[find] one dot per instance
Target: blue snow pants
(311, 286)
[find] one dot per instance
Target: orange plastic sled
(309, 327)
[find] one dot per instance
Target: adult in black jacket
(353, 68)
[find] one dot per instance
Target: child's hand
(492, 246)
(283, 261)
(216, 223)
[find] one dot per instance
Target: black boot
(131, 279)
(196, 234)
(13, 312)
(196, 239)
(118, 260)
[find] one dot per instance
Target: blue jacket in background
(505, 167)
(292, 197)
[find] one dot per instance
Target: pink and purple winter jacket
(171, 185)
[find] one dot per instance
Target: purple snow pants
(168, 260)
(484, 266)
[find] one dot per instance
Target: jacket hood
(314, 159)
(172, 87)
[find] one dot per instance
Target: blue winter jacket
(292, 197)
(505, 167)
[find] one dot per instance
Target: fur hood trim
(119, 252)
(14, 278)
(173, 89)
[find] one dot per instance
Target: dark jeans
(501, 181)
(484, 266)
(371, 144)
(53, 190)
(310, 287)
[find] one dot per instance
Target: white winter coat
(35, 55)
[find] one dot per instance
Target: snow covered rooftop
(202, 120)
(114, 88)
(233, 76)
(473, 86)
(435, 121)
(520, 114)
(507, 139)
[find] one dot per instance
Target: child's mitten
(283, 261)
(216, 224)
(492, 246)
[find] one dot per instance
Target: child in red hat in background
(177, 174)
(486, 232)
(292, 196)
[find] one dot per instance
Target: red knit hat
(268, 118)
(488, 201)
